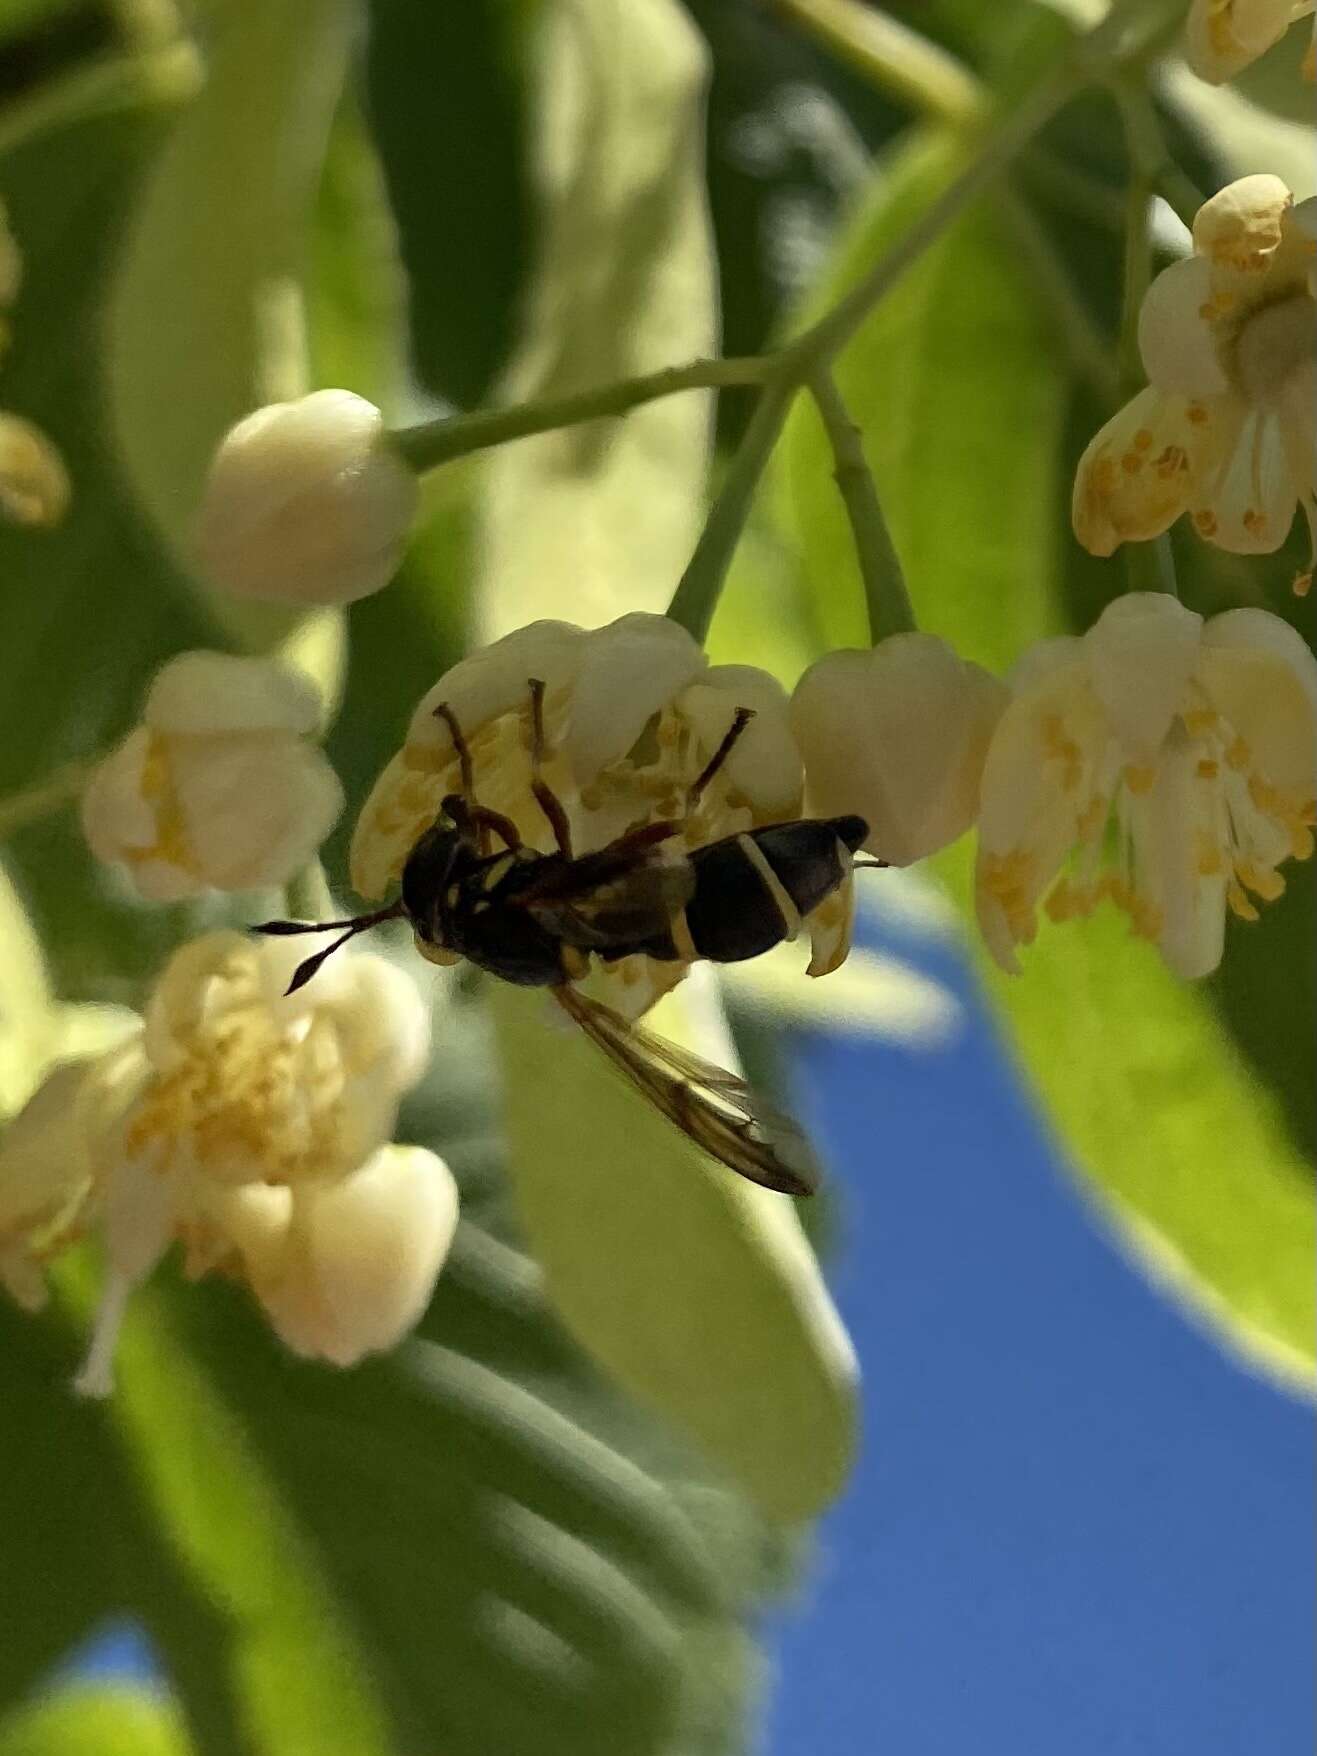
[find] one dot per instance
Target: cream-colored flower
(220, 786)
(34, 485)
(1176, 760)
(306, 503)
(252, 1127)
(633, 713)
(897, 735)
(1225, 429)
(1222, 37)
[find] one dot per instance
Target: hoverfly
(536, 919)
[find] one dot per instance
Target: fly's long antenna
(354, 924)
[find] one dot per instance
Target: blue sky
(1076, 1529)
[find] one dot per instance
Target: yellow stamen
(1239, 903)
(1208, 768)
(1140, 778)
(1239, 756)
(1261, 880)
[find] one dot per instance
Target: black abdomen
(734, 913)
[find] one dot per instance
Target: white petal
(764, 763)
(1143, 468)
(256, 807)
(116, 814)
(631, 669)
(1140, 655)
(1248, 505)
(361, 1256)
(1177, 343)
(1260, 674)
(44, 1163)
(382, 1022)
(201, 692)
(1164, 825)
(494, 680)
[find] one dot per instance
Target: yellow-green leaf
(597, 519)
(96, 1720)
(695, 1289)
(206, 318)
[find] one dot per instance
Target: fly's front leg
(547, 800)
(463, 808)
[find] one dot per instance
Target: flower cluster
(34, 485)
(252, 1128)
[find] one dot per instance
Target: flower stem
(891, 56)
(1151, 567)
(700, 586)
(52, 794)
(435, 442)
(885, 593)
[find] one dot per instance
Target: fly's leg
(741, 719)
(545, 797)
(463, 807)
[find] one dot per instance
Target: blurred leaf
(597, 518)
(963, 402)
(85, 1719)
(93, 607)
(206, 319)
(694, 1288)
(445, 89)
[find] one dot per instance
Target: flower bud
(34, 485)
(346, 1268)
(305, 503)
(898, 735)
(220, 786)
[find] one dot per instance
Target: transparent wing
(718, 1111)
(634, 905)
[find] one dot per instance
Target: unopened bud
(306, 503)
(34, 485)
(898, 735)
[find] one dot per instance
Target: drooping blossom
(1223, 37)
(1225, 430)
(1160, 762)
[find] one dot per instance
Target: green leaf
(206, 319)
(96, 1720)
(447, 100)
(695, 1289)
(598, 518)
(962, 396)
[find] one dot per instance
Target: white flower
(306, 503)
(34, 485)
(1225, 429)
(898, 735)
(633, 712)
(1222, 37)
(250, 1126)
(1176, 759)
(220, 786)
